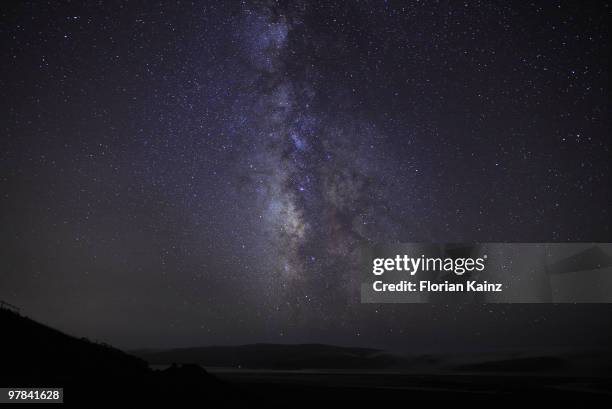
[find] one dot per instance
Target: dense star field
(193, 173)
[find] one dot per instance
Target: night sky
(195, 173)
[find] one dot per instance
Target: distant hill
(276, 356)
(329, 357)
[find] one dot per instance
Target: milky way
(317, 179)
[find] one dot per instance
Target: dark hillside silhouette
(35, 355)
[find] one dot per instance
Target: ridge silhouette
(35, 355)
